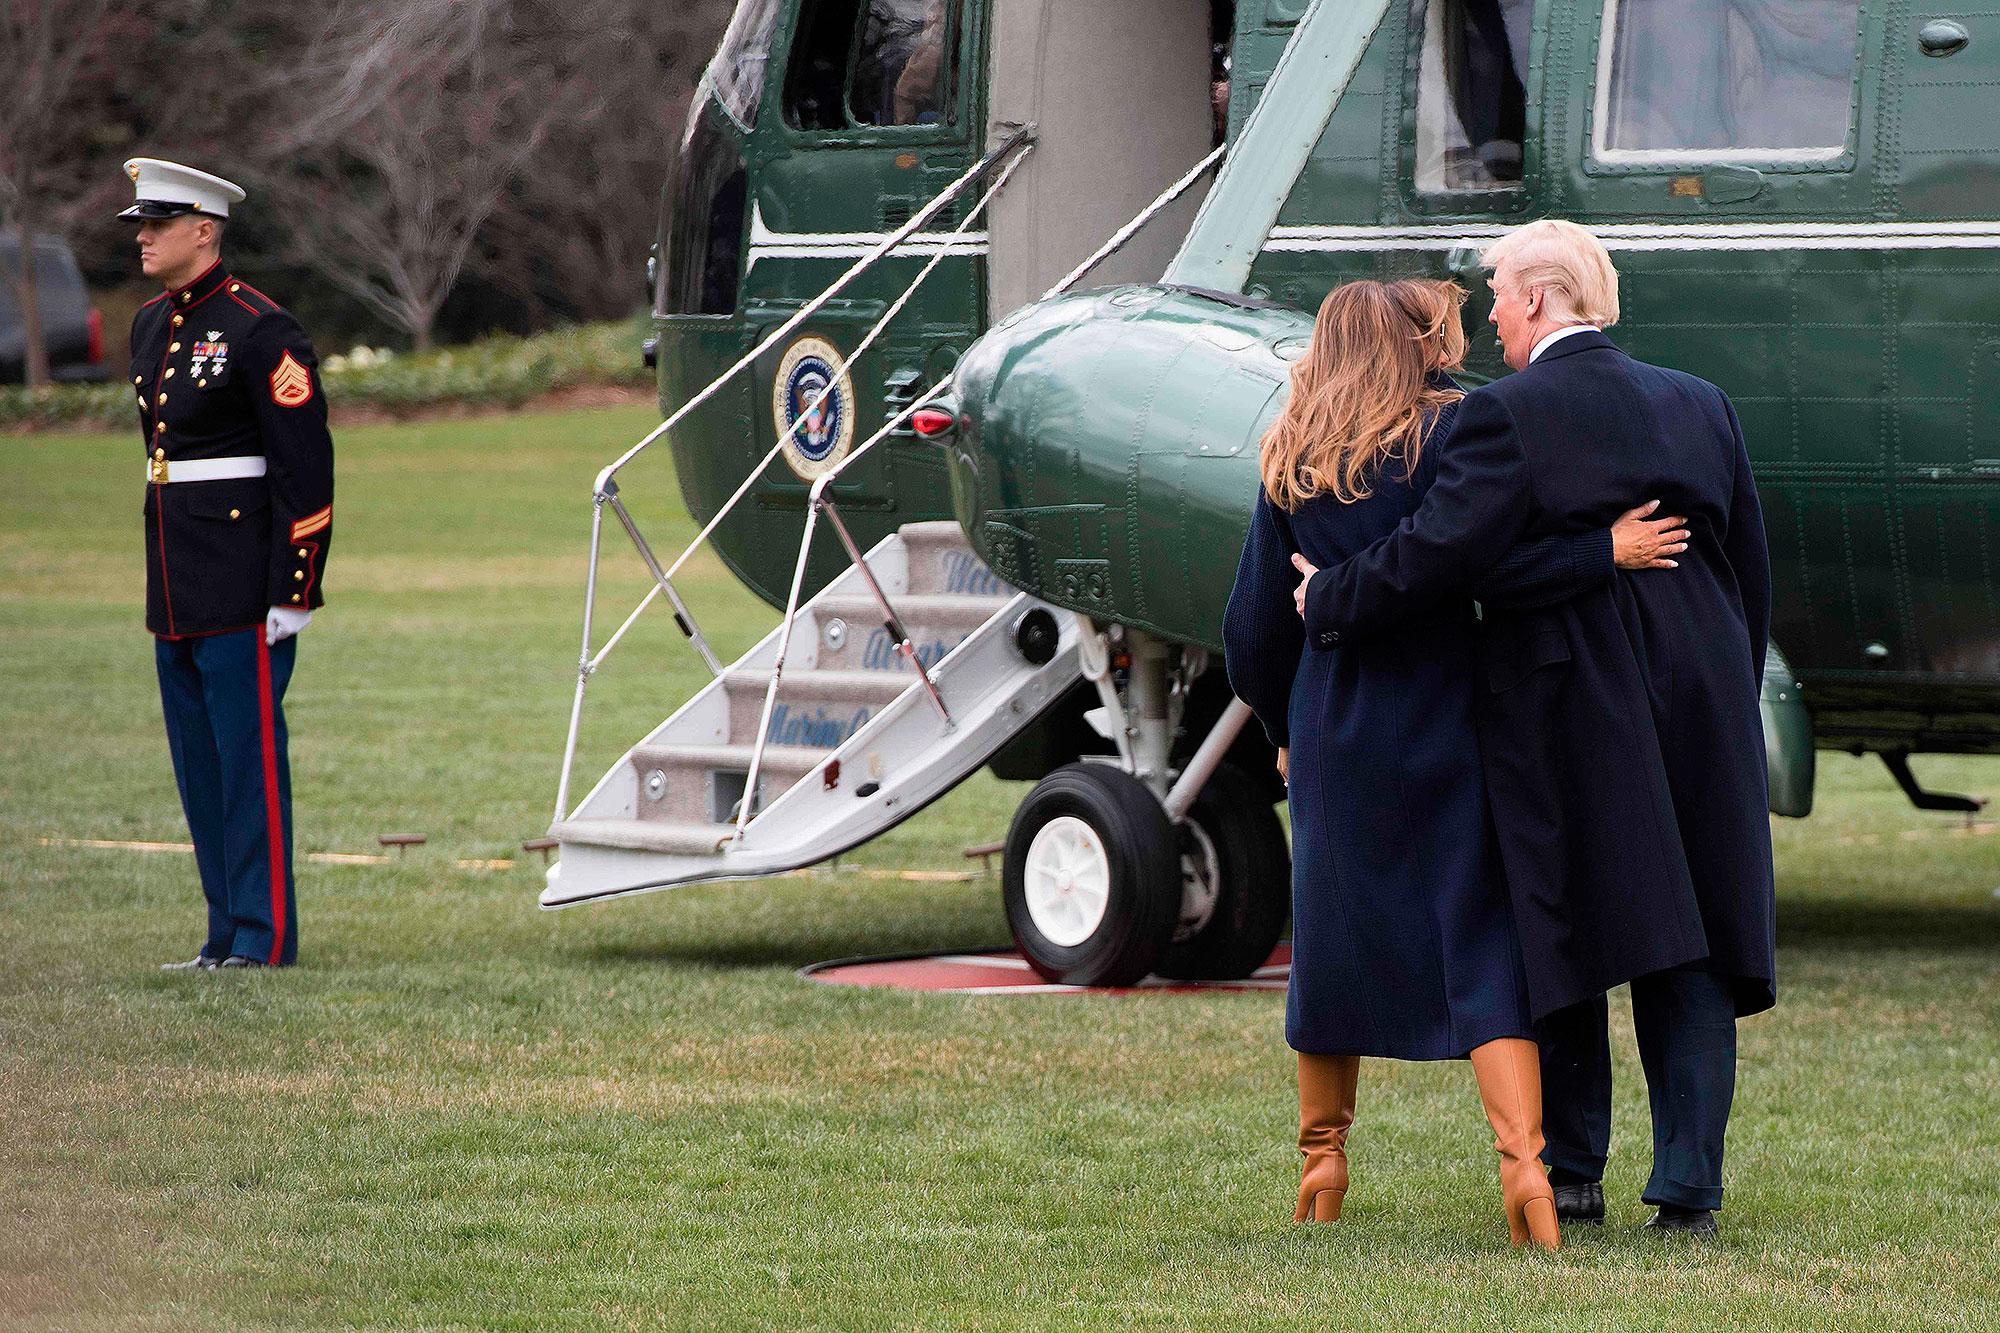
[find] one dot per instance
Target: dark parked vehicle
(72, 329)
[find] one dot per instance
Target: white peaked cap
(167, 189)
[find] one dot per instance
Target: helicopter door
(1469, 151)
(1714, 145)
(878, 113)
(1721, 151)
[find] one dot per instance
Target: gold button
(295, 597)
(185, 295)
(233, 287)
(302, 553)
(163, 398)
(138, 379)
(160, 427)
(201, 384)
(298, 576)
(159, 453)
(177, 321)
(236, 513)
(173, 347)
(170, 372)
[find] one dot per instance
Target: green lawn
(462, 1113)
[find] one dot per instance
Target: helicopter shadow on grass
(1876, 927)
(794, 933)
(713, 940)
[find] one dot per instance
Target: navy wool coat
(1620, 729)
(1402, 941)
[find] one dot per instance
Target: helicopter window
(817, 71)
(737, 72)
(701, 225)
(859, 63)
(905, 64)
(1737, 80)
(1471, 93)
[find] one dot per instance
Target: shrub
(500, 369)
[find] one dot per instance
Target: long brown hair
(1361, 394)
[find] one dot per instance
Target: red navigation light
(931, 422)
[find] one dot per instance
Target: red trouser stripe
(274, 830)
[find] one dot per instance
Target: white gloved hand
(284, 622)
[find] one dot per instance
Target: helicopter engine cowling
(1106, 453)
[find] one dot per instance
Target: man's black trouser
(1686, 1024)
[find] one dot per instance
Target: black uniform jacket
(221, 371)
(1619, 730)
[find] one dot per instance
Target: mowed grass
(463, 1113)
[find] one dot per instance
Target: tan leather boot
(1510, 1084)
(1326, 1109)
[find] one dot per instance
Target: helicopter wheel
(1090, 877)
(1236, 883)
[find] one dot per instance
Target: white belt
(163, 470)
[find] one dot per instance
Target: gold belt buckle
(156, 471)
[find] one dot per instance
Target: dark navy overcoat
(1623, 745)
(1402, 942)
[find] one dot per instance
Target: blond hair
(1567, 264)
(1362, 393)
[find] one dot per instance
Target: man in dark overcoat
(1620, 731)
(239, 519)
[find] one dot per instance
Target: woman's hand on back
(1307, 569)
(1641, 542)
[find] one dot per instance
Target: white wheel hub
(1067, 881)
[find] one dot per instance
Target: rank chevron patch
(312, 523)
(291, 383)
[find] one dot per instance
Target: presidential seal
(825, 432)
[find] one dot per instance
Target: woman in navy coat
(1403, 943)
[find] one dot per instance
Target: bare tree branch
(426, 115)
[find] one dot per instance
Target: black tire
(1253, 895)
(1140, 876)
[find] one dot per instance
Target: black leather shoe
(238, 960)
(201, 962)
(1581, 1205)
(1696, 1222)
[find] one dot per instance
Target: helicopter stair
(855, 744)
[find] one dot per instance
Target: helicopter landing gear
(1237, 883)
(1091, 877)
(1114, 870)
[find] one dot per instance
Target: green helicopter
(871, 196)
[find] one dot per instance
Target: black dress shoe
(1696, 1222)
(238, 960)
(1581, 1205)
(201, 962)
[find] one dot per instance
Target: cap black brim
(158, 210)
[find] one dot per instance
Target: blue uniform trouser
(1685, 1021)
(223, 696)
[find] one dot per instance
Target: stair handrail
(605, 489)
(663, 578)
(867, 261)
(833, 380)
(746, 809)
(821, 499)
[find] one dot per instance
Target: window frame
(1514, 197)
(709, 86)
(867, 135)
(1605, 160)
(950, 103)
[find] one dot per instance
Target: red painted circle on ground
(1004, 972)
